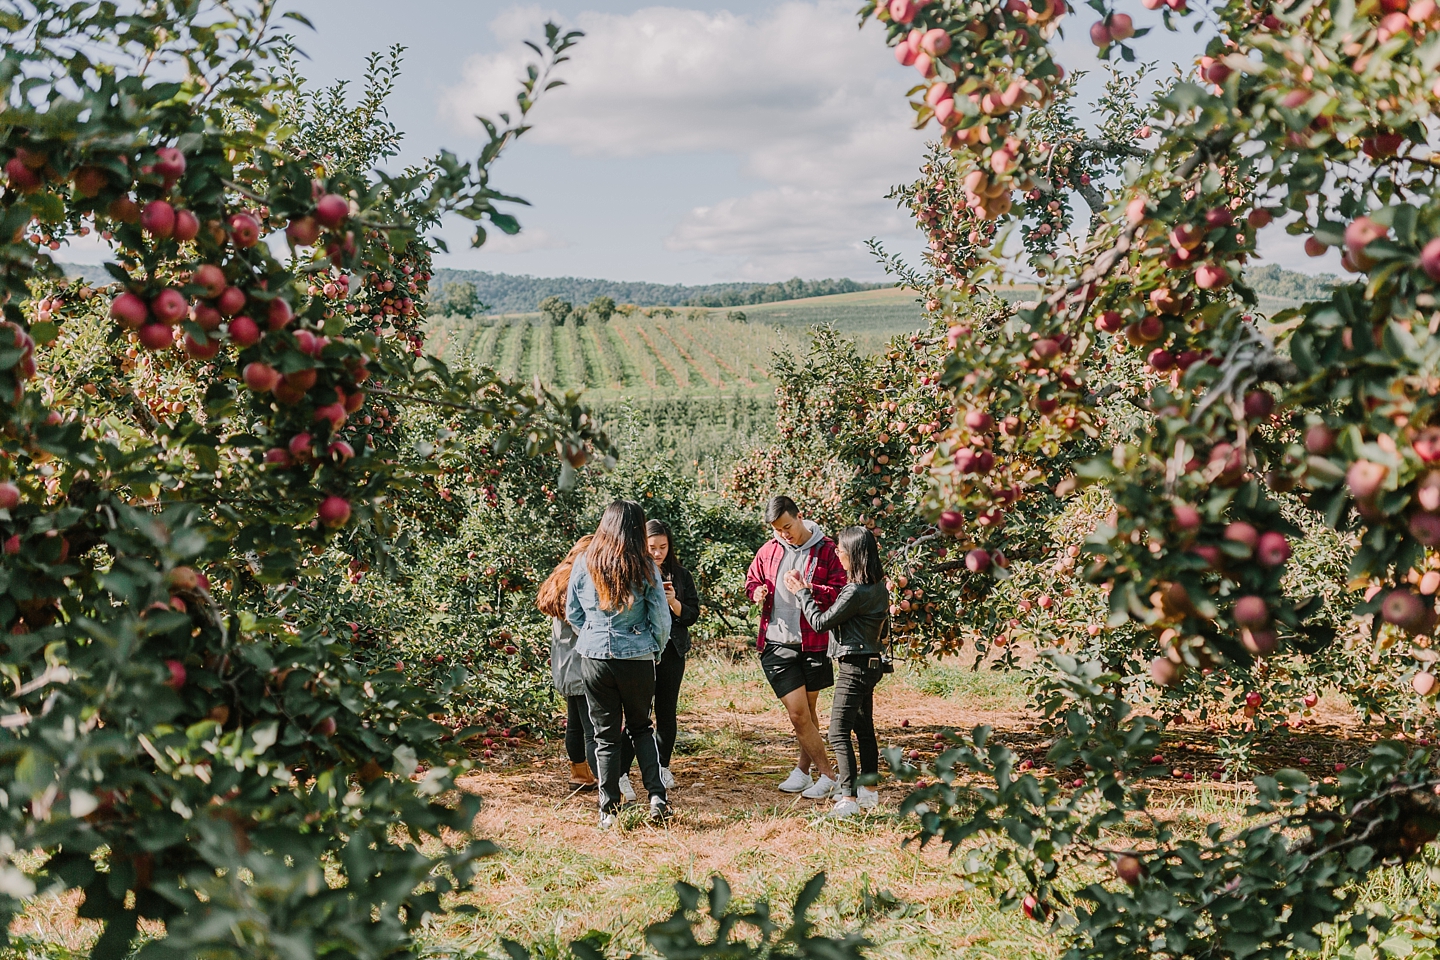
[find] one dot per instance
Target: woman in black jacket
(856, 621)
(670, 671)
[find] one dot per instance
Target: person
(617, 605)
(856, 621)
(792, 652)
(565, 670)
(684, 603)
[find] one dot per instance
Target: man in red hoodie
(792, 654)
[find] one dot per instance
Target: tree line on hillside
(511, 293)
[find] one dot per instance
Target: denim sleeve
(579, 580)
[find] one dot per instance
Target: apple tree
(184, 744)
(1256, 438)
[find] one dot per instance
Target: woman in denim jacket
(617, 605)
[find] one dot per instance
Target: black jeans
(579, 731)
(853, 711)
(619, 694)
(669, 674)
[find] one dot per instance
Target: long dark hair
(617, 559)
(659, 528)
(864, 553)
(551, 598)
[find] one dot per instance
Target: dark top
(689, 599)
(855, 620)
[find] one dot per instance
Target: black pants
(579, 731)
(619, 694)
(853, 711)
(669, 674)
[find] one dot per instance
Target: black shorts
(790, 668)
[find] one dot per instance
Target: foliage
(1247, 444)
(457, 299)
(511, 293)
(555, 310)
(184, 743)
(1270, 280)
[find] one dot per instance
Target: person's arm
(574, 609)
(844, 608)
(828, 580)
(755, 579)
(689, 598)
(658, 609)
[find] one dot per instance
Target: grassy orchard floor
(559, 878)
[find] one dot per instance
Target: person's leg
(589, 726)
(575, 707)
(606, 712)
(844, 712)
(669, 673)
(802, 717)
(637, 689)
(865, 725)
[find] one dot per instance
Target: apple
(230, 301)
(1110, 322)
(1259, 218)
(1405, 610)
(1430, 582)
(1121, 26)
(261, 377)
(210, 278)
(12, 544)
(1430, 259)
(1186, 517)
(21, 177)
(1238, 531)
(1100, 34)
(1365, 477)
(1360, 233)
(332, 209)
(334, 511)
(326, 727)
(333, 412)
(177, 674)
(9, 496)
(244, 331)
(123, 209)
(279, 314)
(278, 455)
(89, 181)
(200, 351)
(1165, 672)
(169, 306)
(1261, 643)
(951, 522)
(182, 578)
(1310, 699)
(1425, 528)
(206, 316)
(1314, 247)
(977, 561)
(129, 310)
(158, 219)
(1185, 237)
(935, 42)
(1428, 492)
(244, 230)
(1320, 439)
(300, 446)
(1251, 611)
(157, 336)
(1423, 683)
(1211, 277)
(905, 54)
(1161, 360)
(170, 163)
(187, 226)
(354, 401)
(340, 450)
(1253, 699)
(1272, 549)
(303, 231)
(979, 421)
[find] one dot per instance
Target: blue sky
(696, 142)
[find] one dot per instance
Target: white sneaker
(607, 821)
(868, 799)
(798, 781)
(626, 790)
(667, 779)
(845, 807)
(823, 788)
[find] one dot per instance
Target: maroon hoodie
(822, 569)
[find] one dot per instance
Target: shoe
(626, 790)
(581, 777)
(845, 807)
(868, 799)
(667, 779)
(823, 788)
(607, 821)
(659, 810)
(798, 781)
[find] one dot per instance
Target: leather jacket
(855, 620)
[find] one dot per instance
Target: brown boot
(580, 776)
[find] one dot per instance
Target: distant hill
(511, 293)
(1272, 281)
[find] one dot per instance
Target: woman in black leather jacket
(856, 621)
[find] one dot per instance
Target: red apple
(1423, 683)
(1121, 26)
(1272, 549)
(1165, 672)
(244, 230)
(334, 511)
(1100, 34)
(279, 314)
(1425, 528)
(979, 421)
(1186, 517)
(303, 231)
(1360, 233)
(12, 544)
(977, 561)
(261, 377)
(951, 522)
(1320, 439)
(331, 210)
(244, 331)
(157, 336)
(1314, 247)
(158, 219)
(201, 351)
(301, 445)
(342, 451)
(169, 306)
(187, 226)
(1259, 218)
(1251, 611)
(1365, 477)
(1261, 643)
(1405, 610)
(1240, 532)
(1210, 276)
(231, 301)
(177, 674)
(170, 163)
(1430, 259)
(129, 310)
(206, 316)
(210, 278)
(9, 496)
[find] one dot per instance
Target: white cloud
(814, 108)
(526, 241)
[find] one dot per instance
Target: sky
(694, 142)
